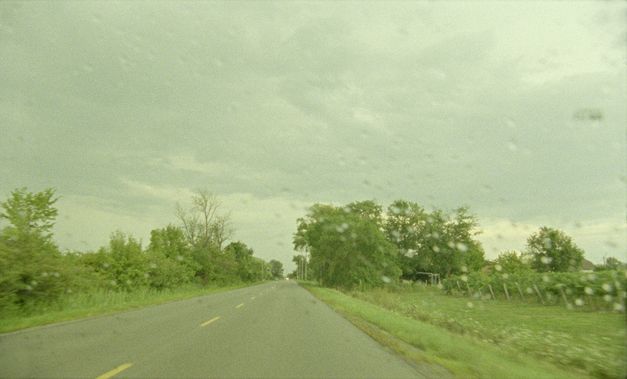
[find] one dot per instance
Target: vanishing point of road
(271, 330)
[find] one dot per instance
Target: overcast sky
(126, 108)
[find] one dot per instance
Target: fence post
(564, 296)
(539, 294)
(520, 291)
(492, 292)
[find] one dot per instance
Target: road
(271, 330)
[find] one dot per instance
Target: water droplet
(546, 260)
(464, 278)
(588, 291)
(498, 267)
(470, 304)
(386, 279)
(578, 302)
(461, 247)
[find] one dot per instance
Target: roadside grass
(99, 303)
(593, 341)
(463, 355)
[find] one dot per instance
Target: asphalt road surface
(271, 330)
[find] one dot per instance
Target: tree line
(363, 244)
(193, 250)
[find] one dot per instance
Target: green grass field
(488, 339)
(97, 303)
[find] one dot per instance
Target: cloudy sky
(516, 109)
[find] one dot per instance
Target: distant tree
(610, 263)
(551, 249)
(300, 261)
(433, 241)
(511, 261)
(243, 255)
(276, 269)
(202, 224)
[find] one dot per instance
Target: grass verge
(99, 303)
(463, 356)
(593, 341)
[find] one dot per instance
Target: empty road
(272, 330)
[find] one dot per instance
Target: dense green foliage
(346, 246)
(276, 269)
(511, 262)
(598, 290)
(34, 274)
(552, 250)
(360, 245)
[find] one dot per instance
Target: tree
(31, 269)
(170, 262)
(346, 249)
(368, 210)
(301, 263)
(433, 241)
(610, 263)
(551, 249)
(243, 255)
(511, 262)
(202, 225)
(126, 263)
(276, 269)
(29, 214)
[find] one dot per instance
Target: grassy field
(488, 339)
(99, 303)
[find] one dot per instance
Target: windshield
(236, 142)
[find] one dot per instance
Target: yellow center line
(239, 306)
(210, 321)
(115, 371)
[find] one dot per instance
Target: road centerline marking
(240, 305)
(115, 371)
(210, 321)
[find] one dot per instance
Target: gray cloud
(126, 107)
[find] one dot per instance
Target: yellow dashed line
(115, 371)
(210, 321)
(239, 306)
